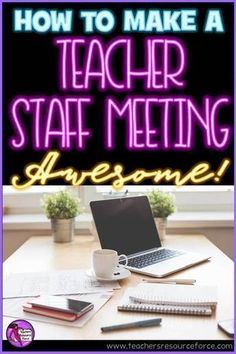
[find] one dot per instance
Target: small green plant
(162, 204)
(61, 205)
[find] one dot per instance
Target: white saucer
(119, 273)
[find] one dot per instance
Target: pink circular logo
(20, 333)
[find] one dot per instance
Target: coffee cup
(105, 262)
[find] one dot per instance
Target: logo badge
(20, 333)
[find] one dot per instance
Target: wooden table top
(41, 254)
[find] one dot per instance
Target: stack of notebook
(174, 299)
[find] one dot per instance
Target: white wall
(223, 238)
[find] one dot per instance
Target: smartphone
(59, 303)
(227, 326)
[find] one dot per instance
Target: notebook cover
(60, 315)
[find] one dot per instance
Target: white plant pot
(63, 229)
(161, 224)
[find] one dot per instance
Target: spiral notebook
(173, 299)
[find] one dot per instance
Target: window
(188, 198)
(25, 201)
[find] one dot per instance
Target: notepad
(173, 299)
(176, 294)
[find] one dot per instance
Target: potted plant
(62, 208)
(162, 205)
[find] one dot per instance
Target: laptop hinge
(143, 252)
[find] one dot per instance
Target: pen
(171, 281)
(137, 324)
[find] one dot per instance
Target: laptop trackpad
(174, 263)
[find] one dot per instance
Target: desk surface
(42, 254)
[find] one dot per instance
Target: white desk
(41, 254)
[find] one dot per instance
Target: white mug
(105, 262)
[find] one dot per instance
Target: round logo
(20, 333)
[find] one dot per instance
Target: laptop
(127, 226)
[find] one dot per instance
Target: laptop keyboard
(153, 258)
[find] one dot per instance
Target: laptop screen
(125, 224)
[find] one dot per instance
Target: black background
(30, 67)
(102, 345)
